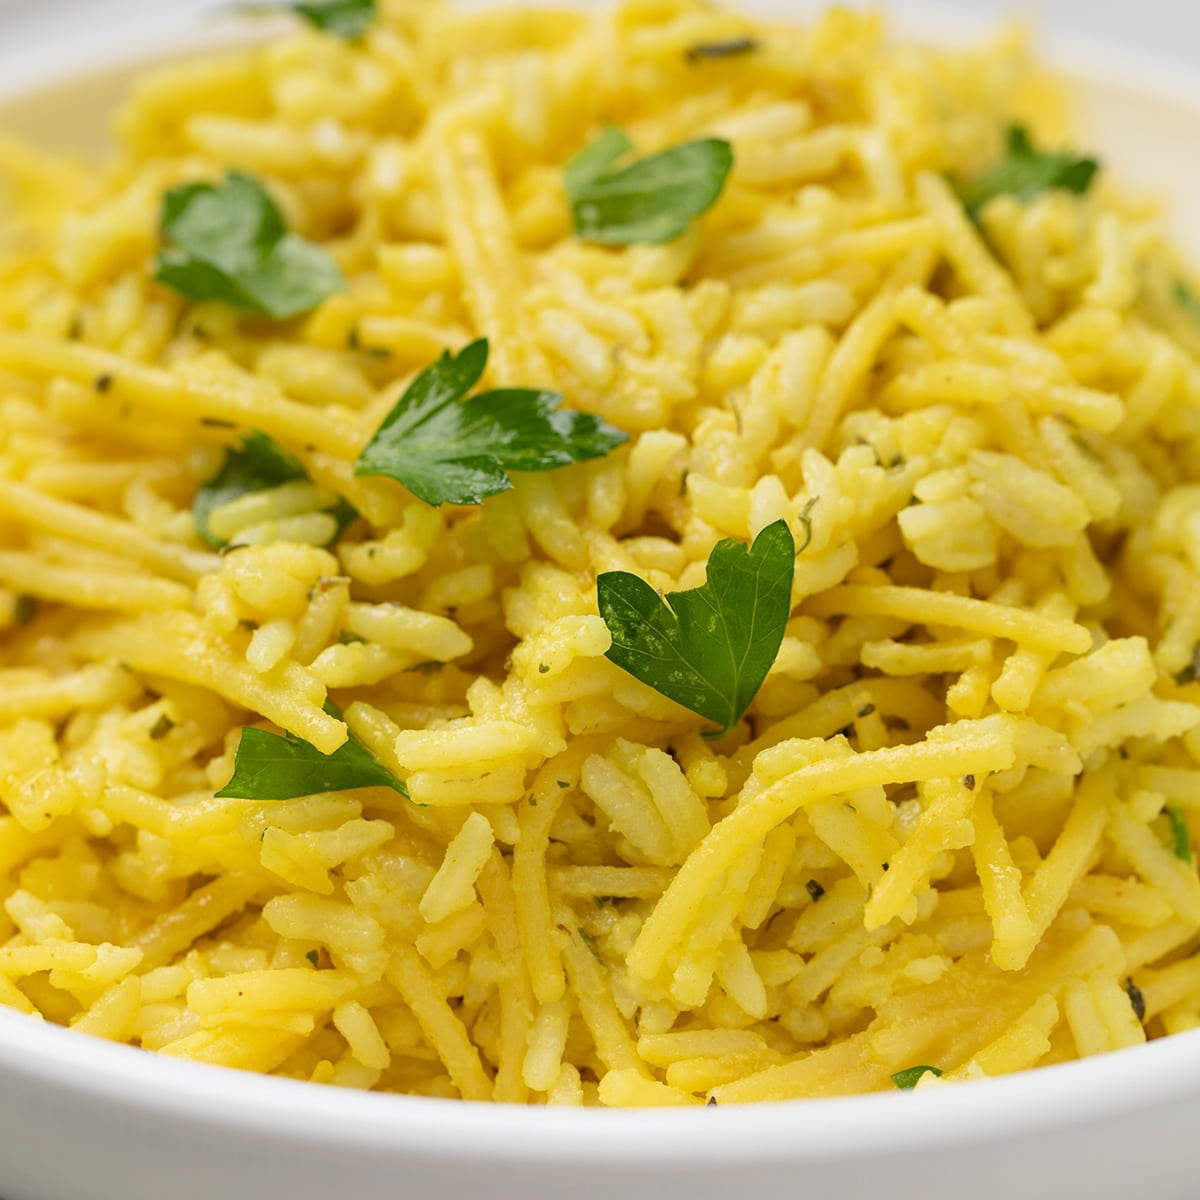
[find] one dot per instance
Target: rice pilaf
(954, 827)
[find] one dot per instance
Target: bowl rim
(404, 1128)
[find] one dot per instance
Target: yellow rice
(939, 837)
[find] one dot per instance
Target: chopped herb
(270, 766)
(103, 383)
(347, 19)
(1136, 999)
(229, 242)
(814, 889)
(1187, 300)
(1180, 835)
(969, 782)
(866, 711)
(712, 1102)
(161, 728)
(346, 638)
(805, 519)
(1085, 448)
(216, 423)
(1025, 173)
(562, 783)
(259, 464)
(886, 867)
(907, 1078)
(543, 669)
(533, 802)
(447, 449)
(432, 667)
(708, 648)
(25, 608)
(650, 200)
(730, 48)
(313, 956)
(1191, 672)
(590, 943)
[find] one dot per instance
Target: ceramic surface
(84, 1120)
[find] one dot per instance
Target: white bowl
(81, 1119)
(84, 1120)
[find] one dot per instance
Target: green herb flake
(258, 464)
(161, 728)
(708, 648)
(1136, 1000)
(430, 667)
(272, 766)
(346, 638)
(651, 200)
(1086, 449)
(805, 519)
(228, 242)
(346, 19)
(1187, 299)
(730, 48)
(906, 1080)
(1026, 173)
(712, 1102)
(590, 943)
(1180, 835)
(447, 449)
(313, 956)
(1191, 672)
(814, 889)
(25, 609)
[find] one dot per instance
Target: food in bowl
(626, 558)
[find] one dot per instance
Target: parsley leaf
(709, 648)
(650, 200)
(347, 19)
(270, 766)
(450, 450)
(1181, 837)
(258, 465)
(1025, 173)
(907, 1079)
(229, 242)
